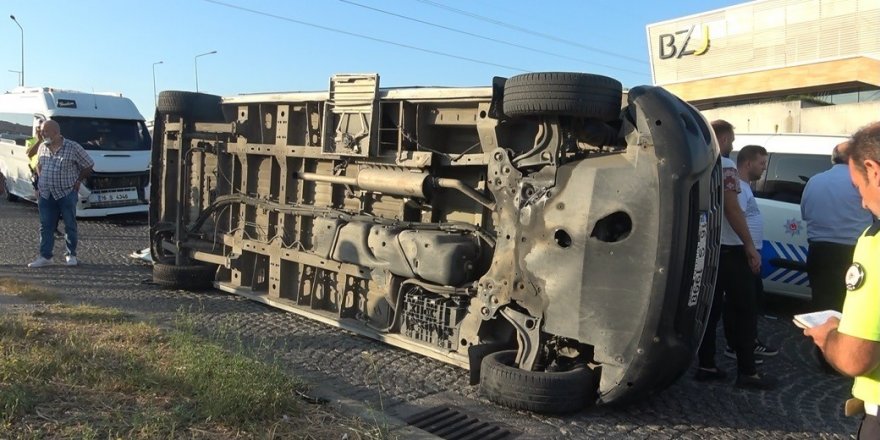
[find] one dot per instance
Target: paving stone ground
(807, 403)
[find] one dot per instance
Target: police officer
(852, 344)
(33, 145)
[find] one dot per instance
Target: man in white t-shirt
(751, 162)
(738, 265)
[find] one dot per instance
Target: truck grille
(116, 181)
(101, 184)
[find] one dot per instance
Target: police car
(792, 160)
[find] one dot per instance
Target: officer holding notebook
(851, 344)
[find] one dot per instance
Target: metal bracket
(528, 337)
(547, 146)
(351, 115)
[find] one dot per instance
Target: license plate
(113, 196)
(700, 261)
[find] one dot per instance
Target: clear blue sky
(111, 45)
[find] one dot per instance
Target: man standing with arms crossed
(738, 265)
(62, 166)
(852, 344)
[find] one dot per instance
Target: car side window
(788, 173)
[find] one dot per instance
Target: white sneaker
(40, 262)
(71, 260)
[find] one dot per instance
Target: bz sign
(681, 44)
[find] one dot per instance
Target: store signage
(683, 43)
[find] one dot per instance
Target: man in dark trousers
(852, 343)
(832, 208)
(738, 265)
(751, 163)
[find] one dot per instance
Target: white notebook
(810, 320)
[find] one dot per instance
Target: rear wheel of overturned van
(184, 277)
(194, 106)
(191, 107)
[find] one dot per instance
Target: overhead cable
(367, 37)
(529, 31)
(495, 40)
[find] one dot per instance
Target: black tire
(157, 251)
(580, 95)
(191, 277)
(6, 185)
(537, 391)
(200, 107)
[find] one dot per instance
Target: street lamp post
(22, 47)
(155, 97)
(196, 61)
(19, 74)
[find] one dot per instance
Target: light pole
(196, 60)
(18, 72)
(155, 97)
(22, 47)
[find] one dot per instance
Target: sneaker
(763, 350)
(71, 260)
(707, 374)
(729, 352)
(755, 382)
(40, 262)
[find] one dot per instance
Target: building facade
(775, 66)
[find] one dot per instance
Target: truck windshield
(106, 134)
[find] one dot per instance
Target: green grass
(86, 314)
(88, 372)
(30, 292)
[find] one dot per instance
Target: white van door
(14, 166)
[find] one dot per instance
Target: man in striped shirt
(62, 166)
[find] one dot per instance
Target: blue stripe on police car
(774, 249)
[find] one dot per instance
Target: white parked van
(792, 160)
(108, 126)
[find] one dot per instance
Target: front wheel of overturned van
(580, 95)
(539, 391)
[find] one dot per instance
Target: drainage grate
(451, 424)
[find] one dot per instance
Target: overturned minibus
(555, 239)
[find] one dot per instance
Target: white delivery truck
(792, 160)
(107, 125)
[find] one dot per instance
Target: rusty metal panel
(350, 115)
